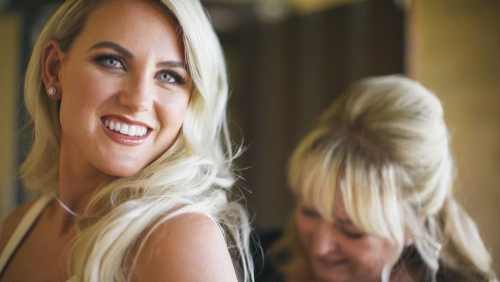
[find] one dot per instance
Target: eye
(170, 77)
(167, 77)
(351, 234)
(309, 212)
(110, 62)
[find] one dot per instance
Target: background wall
(455, 51)
(285, 73)
(10, 32)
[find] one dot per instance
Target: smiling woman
(374, 180)
(130, 153)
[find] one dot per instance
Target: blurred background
(288, 59)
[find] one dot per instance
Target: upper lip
(126, 120)
(126, 126)
(330, 261)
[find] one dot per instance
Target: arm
(188, 247)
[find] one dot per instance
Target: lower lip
(125, 139)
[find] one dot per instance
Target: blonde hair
(195, 173)
(384, 147)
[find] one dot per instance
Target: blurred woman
(374, 183)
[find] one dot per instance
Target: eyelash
(310, 213)
(314, 214)
(349, 234)
(352, 235)
(177, 78)
(100, 59)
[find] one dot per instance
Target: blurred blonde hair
(195, 172)
(384, 147)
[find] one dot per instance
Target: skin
(339, 251)
(128, 68)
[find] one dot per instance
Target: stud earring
(409, 242)
(52, 91)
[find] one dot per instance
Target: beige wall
(9, 59)
(459, 58)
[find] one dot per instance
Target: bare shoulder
(188, 247)
(11, 222)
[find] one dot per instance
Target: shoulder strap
(22, 229)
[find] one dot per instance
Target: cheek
(85, 90)
(75, 76)
(369, 255)
(171, 114)
(173, 109)
(306, 228)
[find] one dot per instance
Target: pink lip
(126, 139)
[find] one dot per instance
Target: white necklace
(66, 208)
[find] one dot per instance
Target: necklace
(66, 208)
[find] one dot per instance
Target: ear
(52, 57)
(409, 240)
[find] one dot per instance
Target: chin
(118, 170)
(324, 276)
(328, 275)
(126, 172)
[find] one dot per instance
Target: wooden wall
(10, 30)
(456, 53)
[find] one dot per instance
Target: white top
(22, 230)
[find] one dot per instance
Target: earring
(409, 242)
(52, 91)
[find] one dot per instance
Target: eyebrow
(114, 46)
(128, 54)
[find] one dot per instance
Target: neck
(77, 185)
(76, 188)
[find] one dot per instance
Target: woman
(131, 153)
(374, 182)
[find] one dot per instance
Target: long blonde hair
(384, 147)
(195, 172)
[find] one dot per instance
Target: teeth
(131, 131)
(125, 129)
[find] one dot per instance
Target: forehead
(333, 210)
(115, 14)
(339, 209)
(142, 22)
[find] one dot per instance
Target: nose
(325, 239)
(137, 94)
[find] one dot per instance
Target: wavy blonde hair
(384, 148)
(195, 173)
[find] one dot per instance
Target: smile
(331, 263)
(124, 128)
